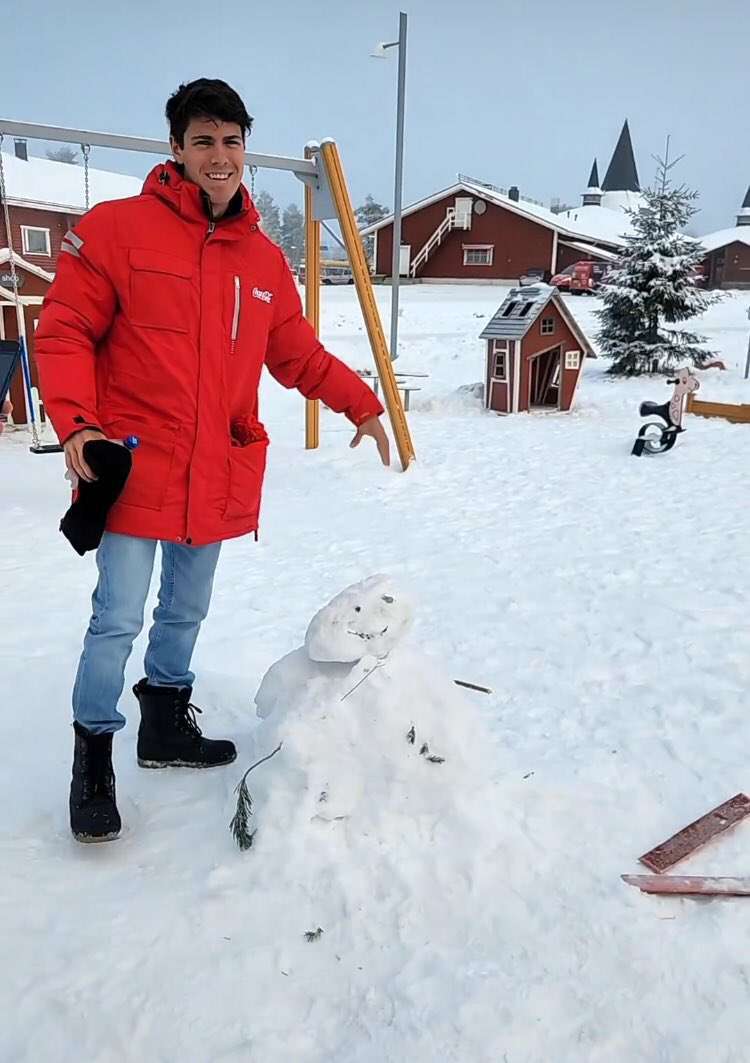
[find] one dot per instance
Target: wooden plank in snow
(696, 834)
(690, 884)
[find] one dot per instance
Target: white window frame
(547, 331)
(25, 230)
(489, 250)
(500, 350)
(572, 359)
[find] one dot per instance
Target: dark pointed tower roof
(746, 200)
(594, 177)
(622, 175)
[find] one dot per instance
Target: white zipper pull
(236, 315)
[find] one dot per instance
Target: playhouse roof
(521, 308)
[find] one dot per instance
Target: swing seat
(46, 448)
(10, 359)
(10, 356)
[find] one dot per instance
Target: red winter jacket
(158, 325)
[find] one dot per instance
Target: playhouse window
(548, 326)
(510, 308)
(478, 254)
(35, 241)
(572, 359)
(499, 354)
(525, 309)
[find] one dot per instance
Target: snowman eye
(357, 608)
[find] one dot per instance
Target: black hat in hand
(83, 524)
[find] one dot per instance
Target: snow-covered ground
(603, 598)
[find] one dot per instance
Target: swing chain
(86, 150)
(17, 296)
(253, 170)
(8, 234)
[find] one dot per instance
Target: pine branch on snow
(652, 288)
(240, 822)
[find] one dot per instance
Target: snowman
(368, 730)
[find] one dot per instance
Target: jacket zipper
(236, 316)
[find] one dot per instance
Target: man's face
(213, 155)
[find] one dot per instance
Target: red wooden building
(534, 352)
(727, 264)
(475, 231)
(45, 199)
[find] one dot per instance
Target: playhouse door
(544, 379)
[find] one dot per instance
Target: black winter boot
(169, 735)
(93, 811)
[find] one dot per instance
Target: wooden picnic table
(401, 378)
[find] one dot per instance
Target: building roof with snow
(59, 186)
(739, 233)
(607, 227)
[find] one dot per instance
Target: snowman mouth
(366, 635)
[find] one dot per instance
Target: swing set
(326, 198)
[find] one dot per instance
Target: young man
(163, 312)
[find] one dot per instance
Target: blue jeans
(125, 566)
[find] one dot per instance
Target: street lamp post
(398, 180)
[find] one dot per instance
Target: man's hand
(73, 448)
(374, 428)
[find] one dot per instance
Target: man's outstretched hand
(374, 428)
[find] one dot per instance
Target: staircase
(450, 222)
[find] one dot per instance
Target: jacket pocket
(247, 466)
(248, 312)
(148, 481)
(160, 291)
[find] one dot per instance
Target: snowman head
(366, 619)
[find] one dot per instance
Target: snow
(471, 911)
(60, 184)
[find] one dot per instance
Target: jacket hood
(167, 182)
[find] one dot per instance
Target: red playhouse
(535, 352)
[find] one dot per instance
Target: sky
(510, 93)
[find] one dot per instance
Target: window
(548, 326)
(572, 359)
(35, 241)
(525, 309)
(478, 254)
(510, 308)
(499, 354)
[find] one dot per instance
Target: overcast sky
(510, 92)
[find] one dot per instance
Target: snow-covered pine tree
(368, 214)
(293, 234)
(652, 287)
(269, 216)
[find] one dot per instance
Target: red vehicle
(581, 278)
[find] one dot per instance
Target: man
(164, 310)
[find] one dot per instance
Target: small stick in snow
(411, 735)
(365, 676)
(313, 935)
(472, 686)
(240, 823)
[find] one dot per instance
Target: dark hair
(205, 98)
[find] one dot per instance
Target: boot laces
(185, 717)
(98, 776)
